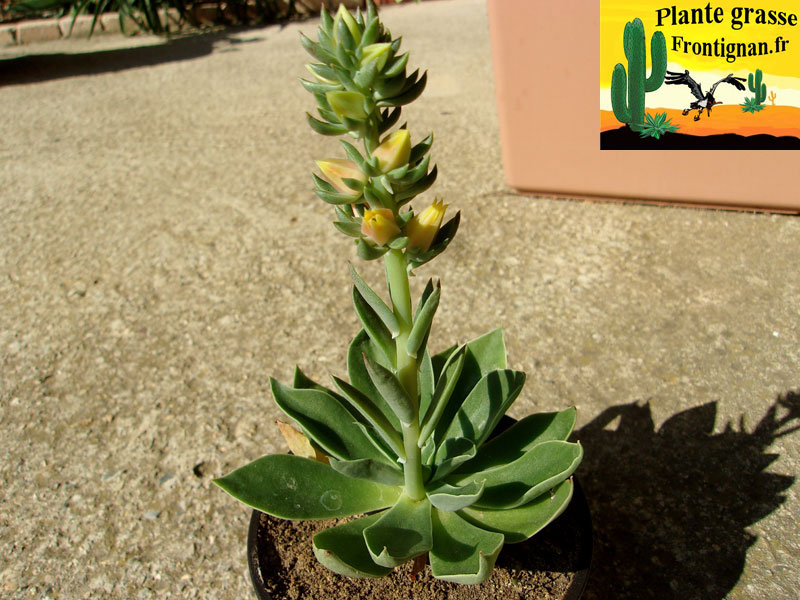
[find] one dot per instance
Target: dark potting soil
(543, 567)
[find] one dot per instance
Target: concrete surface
(162, 254)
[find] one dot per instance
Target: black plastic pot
(571, 533)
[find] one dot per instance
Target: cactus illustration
(758, 88)
(772, 96)
(630, 110)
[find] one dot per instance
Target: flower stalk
(407, 369)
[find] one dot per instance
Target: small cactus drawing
(772, 96)
(758, 88)
(634, 84)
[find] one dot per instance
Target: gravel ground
(162, 254)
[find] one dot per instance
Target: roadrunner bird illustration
(704, 101)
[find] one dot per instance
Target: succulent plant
(751, 105)
(657, 126)
(405, 444)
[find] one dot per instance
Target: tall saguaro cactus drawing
(758, 88)
(634, 83)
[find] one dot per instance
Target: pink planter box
(546, 62)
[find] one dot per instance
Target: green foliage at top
(407, 436)
(657, 126)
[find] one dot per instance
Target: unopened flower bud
(377, 52)
(347, 104)
(379, 225)
(344, 15)
(422, 228)
(394, 151)
(335, 170)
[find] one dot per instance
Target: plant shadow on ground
(34, 68)
(671, 507)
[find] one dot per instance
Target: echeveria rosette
(479, 494)
(405, 439)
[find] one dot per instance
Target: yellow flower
(334, 170)
(379, 225)
(394, 151)
(422, 228)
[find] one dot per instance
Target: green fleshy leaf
(378, 305)
(445, 384)
(425, 384)
(522, 437)
(302, 381)
(407, 193)
(349, 229)
(372, 414)
(388, 120)
(317, 51)
(390, 388)
(291, 487)
(406, 97)
(386, 88)
(342, 549)
(519, 482)
(519, 524)
(315, 87)
(448, 497)
(367, 251)
(380, 336)
(326, 21)
(440, 359)
(420, 149)
(359, 378)
(325, 128)
(325, 420)
(328, 115)
(398, 243)
(402, 533)
(336, 197)
(345, 57)
(366, 468)
(398, 67)
(480, 412)
(482, 356)
(323, 185)
(452, 453)
(417, 173)
(365, 76)
(353, 184)
(354, 155)
(462, 552)
(398, 173)
(371, 32)
(428, 452)
(382, 447)
(422, 322)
